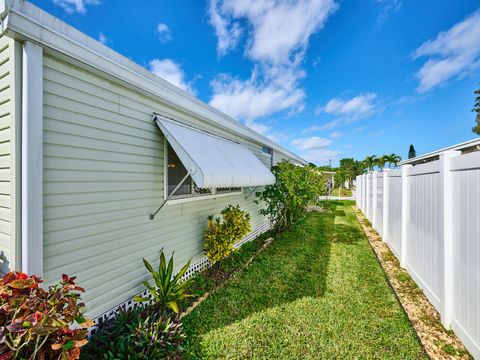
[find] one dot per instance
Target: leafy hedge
(295, 188)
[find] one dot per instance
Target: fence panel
(378, 218)
(425, 230)
(394, 228)
(466, 264)
(370, 197)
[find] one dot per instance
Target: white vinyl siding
(9, 223)
(103, 177)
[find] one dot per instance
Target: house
(103, 163)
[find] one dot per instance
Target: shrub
(141, 333)
(168, 289)
(35, 324)
(222, 235)
(295, 188)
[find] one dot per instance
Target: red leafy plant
(35, 323)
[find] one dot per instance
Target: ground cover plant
(317, 292)
(152, 329)
(35, 322)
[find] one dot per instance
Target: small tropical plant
(168, 289)
(35, 323)
(222, 235)
(143, 333)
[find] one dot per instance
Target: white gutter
(24, 21)
(32, 159)
(458, 147)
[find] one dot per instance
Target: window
(266, 151)
(176, 172)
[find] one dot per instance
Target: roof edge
(25, 21)
(425, 157)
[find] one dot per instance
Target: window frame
(182, 198)
(270, 151)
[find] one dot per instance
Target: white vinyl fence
(429, 215)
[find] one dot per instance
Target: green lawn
(341, 192)
(316, 293)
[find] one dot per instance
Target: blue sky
(327, 79)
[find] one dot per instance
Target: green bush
(295, 188)
(141, 333)
(222, 235)
(168, 290)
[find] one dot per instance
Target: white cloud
(346, 111)
(315, 149)
(335, 134)
(277, 34)
(358, 107)
(252, 98)
(227, 30)
(451, 54)
(313, 142)
(172, 72)
(388, 7)
(102, 38)
(79, 6)
(164, 32)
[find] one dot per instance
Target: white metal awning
(214, 162)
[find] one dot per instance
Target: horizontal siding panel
(5, 148)
(94, 197)
(5, 108)
(115, 124)
(85, 131)
(5, 135)
(76, 153)
(4, 85)
(86, 187)
(100, 176)
(97, 165)
(5, 161)
(55, 138)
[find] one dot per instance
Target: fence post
(374, 200)
(448, 237)
(386, 199)
(405, 205)
(367, 194)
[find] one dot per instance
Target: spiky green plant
(167, 290)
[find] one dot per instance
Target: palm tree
(369, 162)
(393, 159)
(381, 161)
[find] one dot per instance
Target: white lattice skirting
(199, 264)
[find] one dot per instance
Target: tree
(295, 188)
(476, 109)
(392, 159)
(411, 152)
(381, 161)
(369, 162)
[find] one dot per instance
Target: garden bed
(316, 292)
